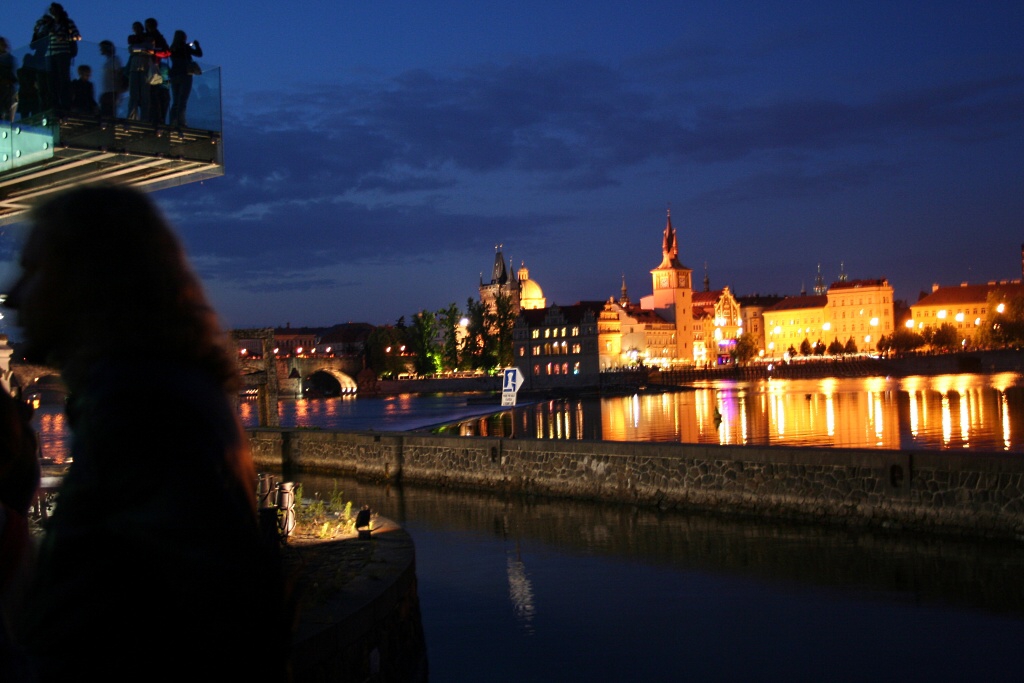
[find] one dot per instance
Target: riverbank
(357, 607)
(969, 494)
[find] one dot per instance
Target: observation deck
(46, 151)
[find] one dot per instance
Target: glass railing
(38, 124)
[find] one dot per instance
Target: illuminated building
(630, 336)
(296, 340)
(717, 323)
(531, 296)
(558, 346)
(522, 291)
(752, 310)
(794, 319)
(673, 295)
(857, 310)
(965, 307)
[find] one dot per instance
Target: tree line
(451, 339)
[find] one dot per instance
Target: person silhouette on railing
(140, 64)
(113, 81)
(61, 38)
(182, 71)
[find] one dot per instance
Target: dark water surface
(541, 590)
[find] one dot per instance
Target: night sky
(377, 152)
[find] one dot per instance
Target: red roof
(969, 294)
(792, 303)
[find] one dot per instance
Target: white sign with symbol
(512, 381)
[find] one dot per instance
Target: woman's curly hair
(132, 291)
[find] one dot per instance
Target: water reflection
(51, 427)
(979, 412)
(540, 589)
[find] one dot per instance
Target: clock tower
(673, 292)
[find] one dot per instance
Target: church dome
(531, 296)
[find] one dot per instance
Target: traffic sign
(512, 382)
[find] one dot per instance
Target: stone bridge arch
(26, 376)
(294, 374)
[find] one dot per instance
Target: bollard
(264, 489)
(286, 508)
(363, 522)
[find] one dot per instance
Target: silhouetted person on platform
(153, 565)
(83, 93)
(181, 72)
(113, 80)
(159, 91)
(140, 63)
(61, 36)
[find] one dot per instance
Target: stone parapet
(975, 494)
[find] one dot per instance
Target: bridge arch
(323, 380)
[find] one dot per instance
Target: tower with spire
(673, 291)
(819, 283)
(503, 281)
(524, 292)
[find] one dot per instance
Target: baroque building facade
(966, 307)
(861, 311)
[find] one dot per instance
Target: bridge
(268, 377)
(43, 152)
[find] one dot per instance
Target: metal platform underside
(40, 158)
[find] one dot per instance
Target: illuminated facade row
(966, 307)
(857, 310)
(675, 325)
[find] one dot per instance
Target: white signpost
(512, 381)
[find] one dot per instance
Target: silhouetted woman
(182, 53)
(153, 565)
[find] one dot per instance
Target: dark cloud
(405, 168)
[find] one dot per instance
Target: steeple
(624, 298)
(669, 245)
(842, 272)
(707, 280)
(499, 275)
(819, 282)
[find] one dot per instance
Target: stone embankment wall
(976, 494)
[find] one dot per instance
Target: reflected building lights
(947, 421)
(877, 419)
(1004, 411)
(744, 435)
(846, 412)
(913, 413)
(830, 414)
(965, 419)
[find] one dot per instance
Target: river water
(532, 589)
